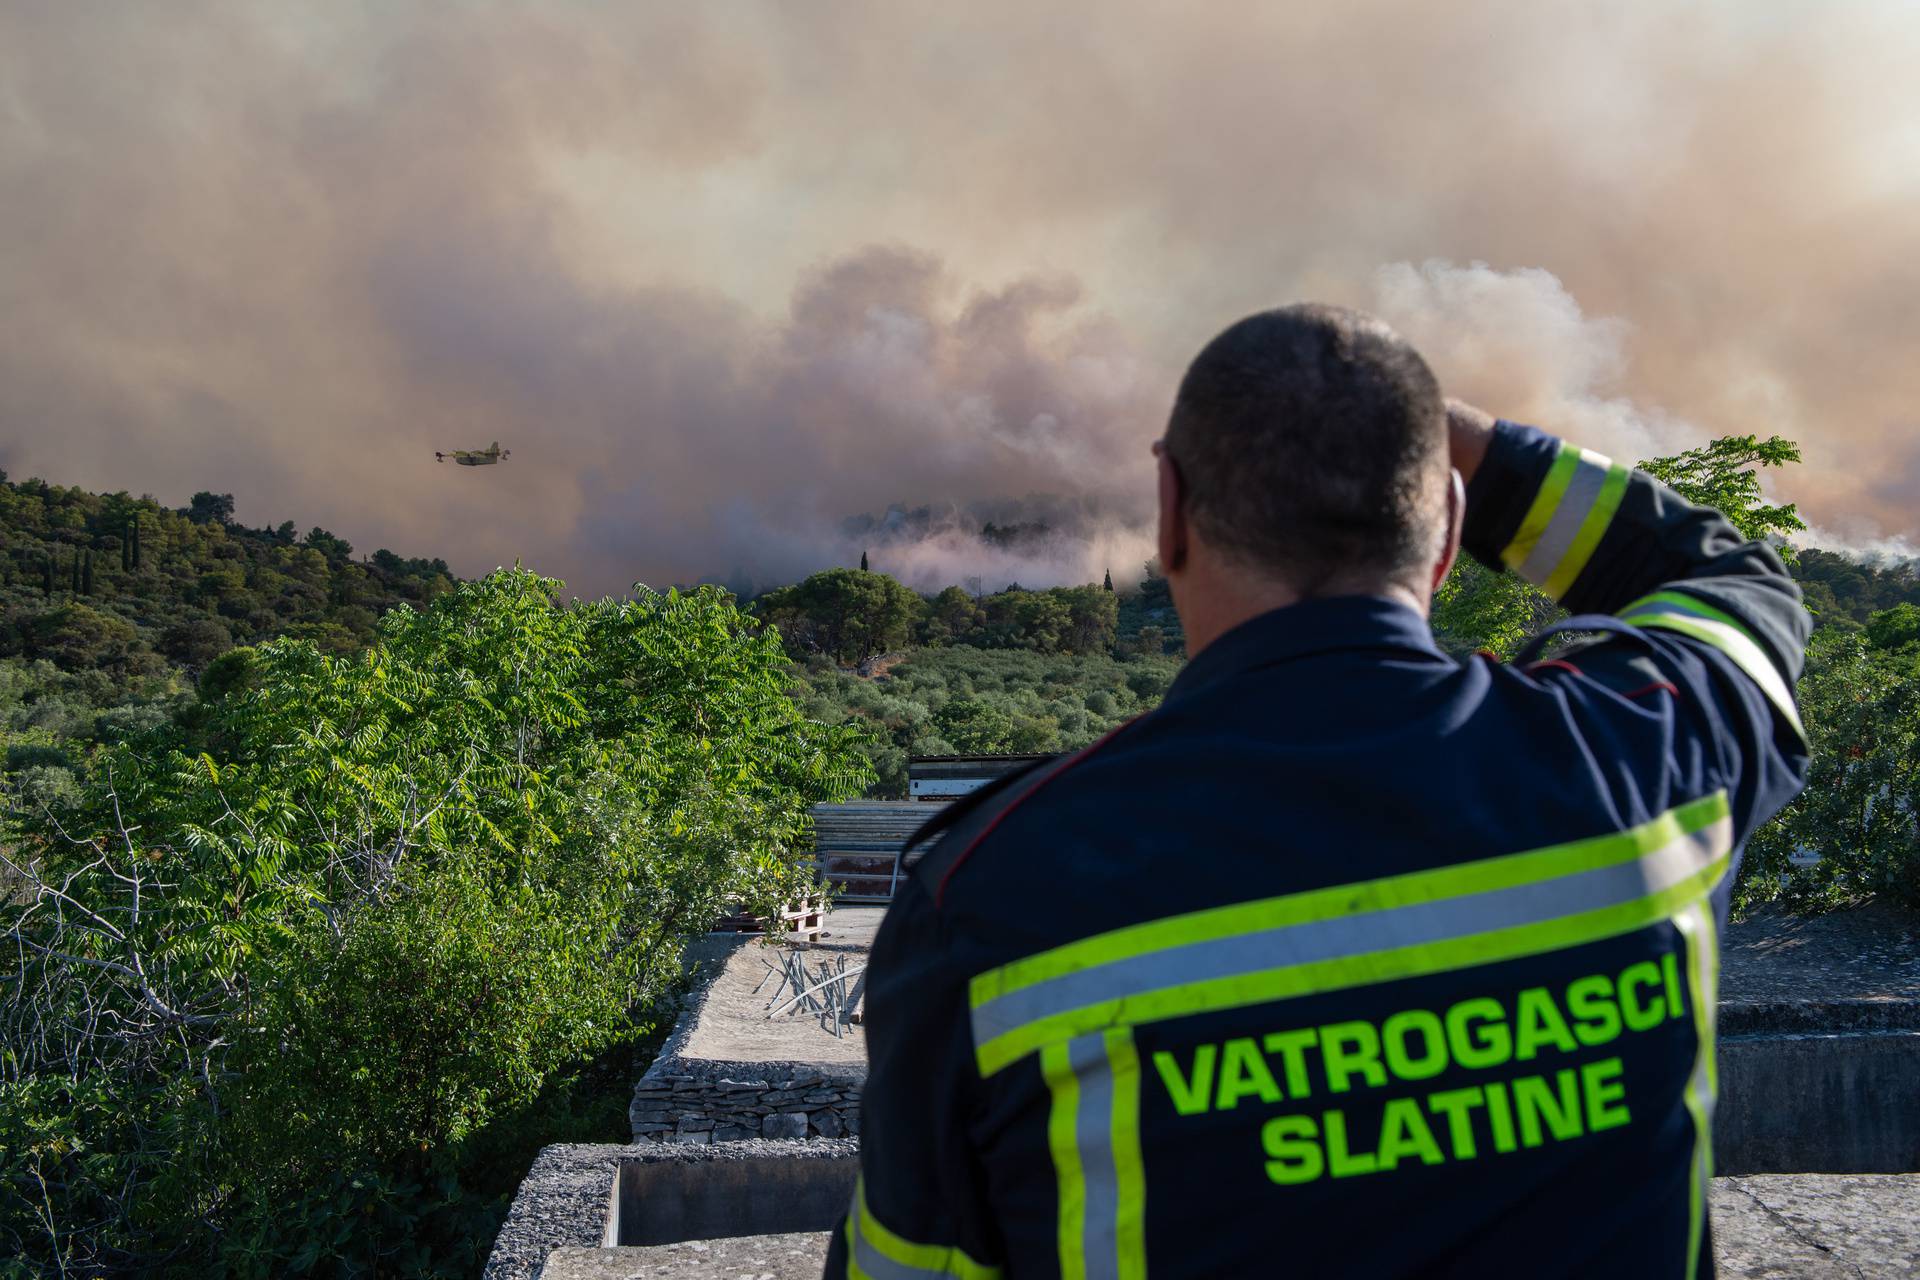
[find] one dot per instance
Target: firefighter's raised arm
(1720, 619)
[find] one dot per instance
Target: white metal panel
(929, 788)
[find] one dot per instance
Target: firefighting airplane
(476, 457)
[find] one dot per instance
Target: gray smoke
(722, 277)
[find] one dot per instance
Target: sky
(724, 276)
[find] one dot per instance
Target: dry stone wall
(697, 1100)
(693, 1101)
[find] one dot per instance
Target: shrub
(1857, 814)
(393, 896)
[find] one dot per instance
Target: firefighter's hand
(1469, 432)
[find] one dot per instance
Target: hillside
(124, 585)
(1845, 592)
(111, 606)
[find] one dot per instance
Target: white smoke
(288, 250)
(1518, 344)
(1858, 540)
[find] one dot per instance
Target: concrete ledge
(1802, 1227)
(760, 1192)
(569, 1198)
(1846, 1102)
(779, 1257)
(1820, 1043)
(1817, 1226)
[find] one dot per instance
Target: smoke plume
(723, 277)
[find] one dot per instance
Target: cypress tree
(126, 549)
(1109, 582)
(863, 562)
(86, 576)
(76, 573)
(47, 575)
(136, 541)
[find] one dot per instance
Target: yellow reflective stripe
(1692, 616)
(874, 1252)
(1592, 529)
(1130, 1229)
(1545, 503)
(1093, 1134)
(1456, 880)
(1064, 1086)
(1317, 977)
(1568, 517)
(1696, 925)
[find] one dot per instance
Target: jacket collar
(1329, 624)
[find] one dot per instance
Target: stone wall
(701, 1102)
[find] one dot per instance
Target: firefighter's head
(1306, 457)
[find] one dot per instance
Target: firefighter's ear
(1172, 542)
(1456, 519)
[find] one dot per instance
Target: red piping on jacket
(1649, 688)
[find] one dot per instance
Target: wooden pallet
(801, 922)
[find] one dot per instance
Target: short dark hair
(1312, 445)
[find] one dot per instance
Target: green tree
(949, 618)
(1725, 475)
(75, 637)
(210, 508)
(196, 642)
(1479, 609)
(1895, 628)
(847, 614)
(306, 957)
(974, 726)
(1093, 619)
(328, 545)
(1851, 834)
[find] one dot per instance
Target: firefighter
(1350, 958)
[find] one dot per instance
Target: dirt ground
(734, 1026)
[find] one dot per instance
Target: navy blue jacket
(1353, 959)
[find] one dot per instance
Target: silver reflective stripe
(1093, 1134)
(1360, 934)
(1583, 490)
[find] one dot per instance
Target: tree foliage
(963, 699)
(1725, 475)
(850, 615)
(354, 910)
(112, 586)
(1852, 833)
(853, 616)
(154, 570)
